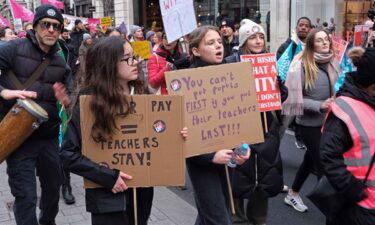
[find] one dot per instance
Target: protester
(39, 151)
(206, 171)
(227, 31)
(332, 26)
(157, 40)
(111, 31)
(109, 61)
(167, 57)
(76, 37)
(86, 44)
(28, 26)
(136, 33)
(270, 183)
(6, 34)
(302, 30)
(310, 81)
(348, 142)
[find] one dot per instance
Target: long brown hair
(197, 36)
(101, 81)
(307, 56)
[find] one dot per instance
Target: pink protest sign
(4, 22)
(93, 22)
(20, 11)
(339, 47)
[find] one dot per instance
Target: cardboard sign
(106, 21)
(221, 107)
(148, 144)
(178, 18)
(339, 47)
(142, 49)
(265, 75)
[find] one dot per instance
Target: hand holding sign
(120, 185)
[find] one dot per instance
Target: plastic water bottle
(241, 150)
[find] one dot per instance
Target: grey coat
(314, 97)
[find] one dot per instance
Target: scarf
(293, 105)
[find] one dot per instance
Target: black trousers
(144, 205)
(311, 161)
(210, 193)
(41, 155)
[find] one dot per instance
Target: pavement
(167, 209)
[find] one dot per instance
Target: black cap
(365, 68)
(47, 11)
(78, 21)
(227, 22)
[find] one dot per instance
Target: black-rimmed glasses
(130, 60)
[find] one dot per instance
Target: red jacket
(157, 66)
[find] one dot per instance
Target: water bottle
(241, 150)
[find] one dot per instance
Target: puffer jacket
(23, 56)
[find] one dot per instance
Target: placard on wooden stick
(220, 106)
(148, 145)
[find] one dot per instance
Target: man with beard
(227, 31)
(39, 151)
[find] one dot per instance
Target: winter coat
(264, 168)
(157, 66)
(23, 56)
(98, 200)
(228, 46)
(335, 141)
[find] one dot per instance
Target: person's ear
(196, 52)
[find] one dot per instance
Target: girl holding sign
(310, 81)
(207, 172)
(111, 71)
(269, 178)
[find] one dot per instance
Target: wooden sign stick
(230, 191)
(265, 121)
(135, 206)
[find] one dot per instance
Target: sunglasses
(46, 25)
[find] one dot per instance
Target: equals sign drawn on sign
(129, 129)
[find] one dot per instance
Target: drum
(20, 122)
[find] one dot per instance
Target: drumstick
(230, 191)
(135, 206)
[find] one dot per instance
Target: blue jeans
(41, 155)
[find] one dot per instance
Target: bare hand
(61, 94)
(324, 106)
(12, 94)
(222, 156)
(184, 132)
(242, 159)
(120, 185)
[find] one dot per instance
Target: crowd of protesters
(334, 127)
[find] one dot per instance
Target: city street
(175, 206)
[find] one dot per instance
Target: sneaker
(295, 202)
(300, 144)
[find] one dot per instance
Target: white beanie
(247, 29)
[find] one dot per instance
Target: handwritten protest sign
(265, 72)
(142, 49)
(339, 47)
(147, 145)
(178, 18)
(220, 106)
(106, 21)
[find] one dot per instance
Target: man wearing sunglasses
(40, 151)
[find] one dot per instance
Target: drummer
(40, 150)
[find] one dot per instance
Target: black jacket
(23, 56)
(284, 46)
(265, 156)
(228, 46)
(98, 200)
(336, 140)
